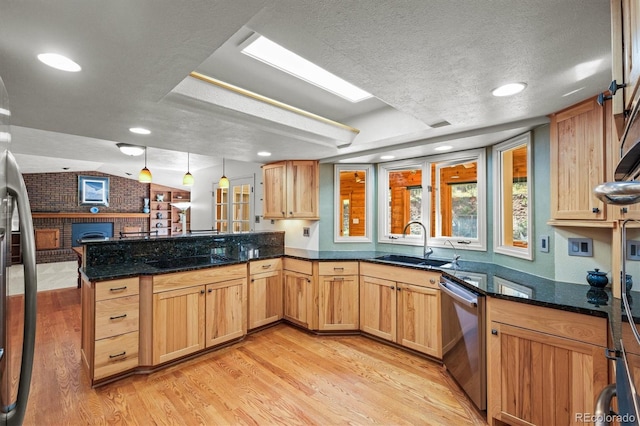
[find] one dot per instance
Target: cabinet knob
(432, 281)
(624, 210)
(494, 331)
(210, 290)
(399, 289)
(283, 214)
(201, 291)
(595, 210)
(393, 288)
(290, 213)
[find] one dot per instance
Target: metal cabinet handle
(494, 331)
(123, 353)
(201, 291)
(266, 266)
(210, 290)
(118, 288)
(118, 317)
(595, 210)
(393, 288)
(338, 269)
(432, 281)
(338, 278)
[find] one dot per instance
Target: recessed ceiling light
(59, 62)
(140, 130)
(509, 89)
(264, 154)
(443, 148)
(387, 157)
(273, 54)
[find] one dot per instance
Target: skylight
(285, 60)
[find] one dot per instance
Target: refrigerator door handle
(17, 188)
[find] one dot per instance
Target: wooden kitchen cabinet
(265, 292)
(110, 327)
(402, 305)
(178, 323)
(195, 310)
(291, 190)
(47, 239)
(338, 296)
(577, 162)
(543, 365)
(299, 290)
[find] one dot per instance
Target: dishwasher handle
(458, 293)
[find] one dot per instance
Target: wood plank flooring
(280, 375)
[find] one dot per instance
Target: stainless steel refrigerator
(18, 300)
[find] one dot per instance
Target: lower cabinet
(338, 296)
(265, 292)
(197, 309)
(402, 305)
(299, 289)
(544, 366)
(110, 327)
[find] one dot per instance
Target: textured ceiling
(424, 61)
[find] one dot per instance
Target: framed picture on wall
(93, 191)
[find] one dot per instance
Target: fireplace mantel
(73, 215)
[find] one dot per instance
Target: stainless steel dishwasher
(463, 339)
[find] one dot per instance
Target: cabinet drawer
(338, 268)
(267, 265)
(399, 274)
(297, 265)
(116, 316)
(178, 280)
(115, 355)
(117, 288)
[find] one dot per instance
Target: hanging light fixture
(145, 174)
(187, 180)
(223, 182)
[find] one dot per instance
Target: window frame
(498, 216)
(244, 180)
(369, 194)
(480, 157)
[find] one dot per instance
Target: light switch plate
(581, 247)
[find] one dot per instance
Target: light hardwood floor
(280, 375)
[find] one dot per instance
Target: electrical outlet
(633, 250)
(257, 219)
(581, 247)
(306, 232)
(544, 243)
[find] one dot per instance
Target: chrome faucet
(456, 256)
(427, 250)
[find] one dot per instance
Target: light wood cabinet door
(302, 189)
(543, 379)
(419, 313)
(339, 302)
(297, 298)
(47, 239)
(178, 323)
(265, 298)
(274, 181)
(225, 311)
(291, 190)
(577, 161)
(378, 307)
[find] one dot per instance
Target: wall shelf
(56, 215)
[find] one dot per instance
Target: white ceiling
(424, 61)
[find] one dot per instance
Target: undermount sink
(410, 260)
(188, 261)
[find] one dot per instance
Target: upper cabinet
(625, 25)
(291, 190)
(578, 137)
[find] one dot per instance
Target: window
(451, 188)
(513, 211)
(353, 193)
(458, 199)
(233, 206)
(400, 200)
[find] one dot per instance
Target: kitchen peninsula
(149, 303)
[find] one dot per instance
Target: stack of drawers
(116, 326)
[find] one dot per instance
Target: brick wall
(58, 192)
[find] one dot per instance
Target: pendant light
(145, 174)
(223, 182)
(187, 180)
